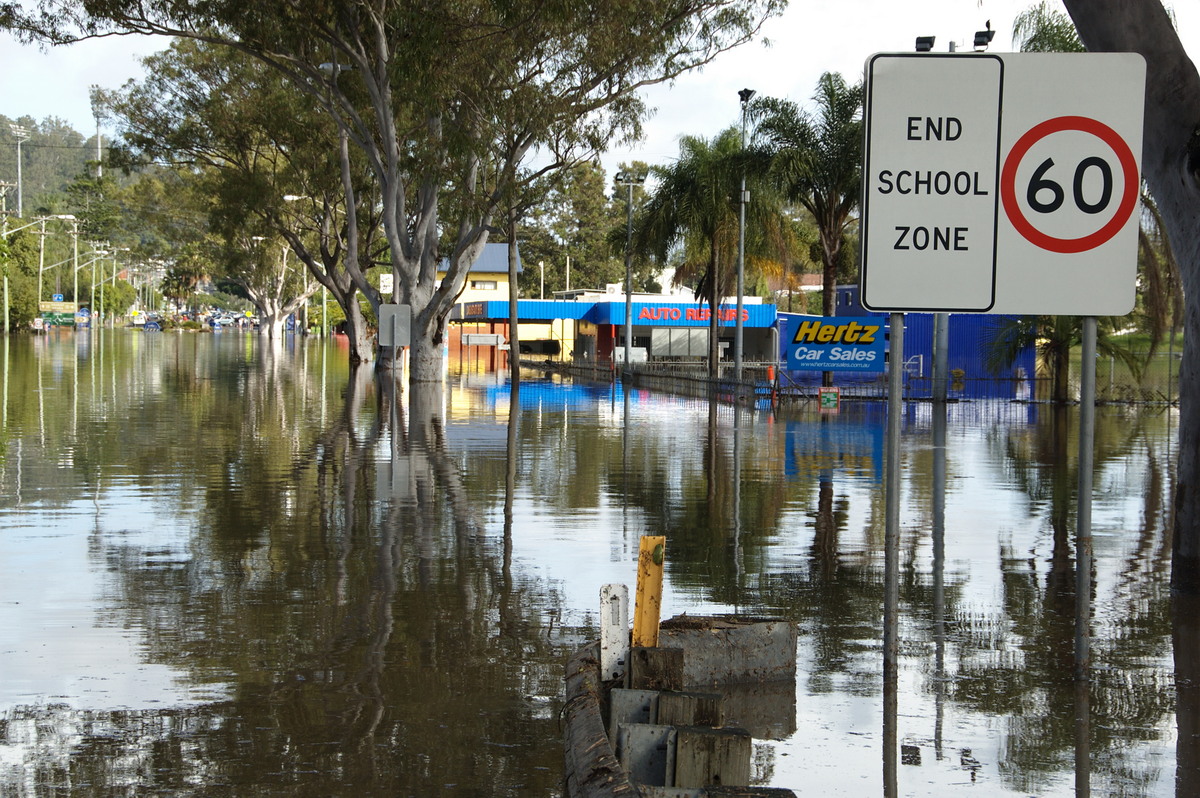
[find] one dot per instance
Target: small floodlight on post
(629, 180)
(984, 37)
(925, 43)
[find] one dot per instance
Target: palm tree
(694, 211)
(1053, 338)
(817, 159)
(189, 269)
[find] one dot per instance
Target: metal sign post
(999, 184)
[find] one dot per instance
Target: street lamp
(744, 95)
(629, 180)
(99, 250)
(112, 318)
(42, 250)
(22, 134)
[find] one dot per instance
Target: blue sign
(56, 297)
(831, 343)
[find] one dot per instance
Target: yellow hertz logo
(815, 332)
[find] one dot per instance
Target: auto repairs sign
(831, 343)
(1002, 183)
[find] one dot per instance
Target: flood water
(231, 570)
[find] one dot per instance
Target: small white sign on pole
(1002, 183)
(395, 325)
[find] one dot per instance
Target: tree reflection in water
(343, 598)
(363, 591)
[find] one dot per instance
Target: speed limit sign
(1002, 183)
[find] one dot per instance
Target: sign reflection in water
(236, 570)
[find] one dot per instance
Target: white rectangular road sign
(395, 325)
(932, 157)
(1002, 183)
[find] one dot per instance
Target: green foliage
(447, 99)
(51, 158)
(817, 160)
(1042, 29)
(1053, 338)
(691, 218)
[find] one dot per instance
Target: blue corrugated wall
(969, 333)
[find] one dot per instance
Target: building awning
(680, 314)
(645, 314)
(527, 310)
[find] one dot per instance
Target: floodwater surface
(231, 569)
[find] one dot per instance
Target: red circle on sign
(1008, 183)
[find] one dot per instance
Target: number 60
(1040, 183)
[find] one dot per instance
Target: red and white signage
(1002, 183)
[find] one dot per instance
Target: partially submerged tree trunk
(1171, 166)
(274, 301)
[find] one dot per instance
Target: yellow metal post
(648, 603)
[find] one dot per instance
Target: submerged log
(590, 767)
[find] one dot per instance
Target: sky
(811, 37)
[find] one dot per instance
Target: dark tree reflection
(348, 605)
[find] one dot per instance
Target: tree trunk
(425, 358)
(272, 327)
(1061, 365)
(714, 330)
(356, 333)
(1170, 164)
(830, 247)
(829, 277)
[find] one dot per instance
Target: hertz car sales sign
(1002, 183)
(829, 343)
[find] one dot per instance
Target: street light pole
(629, 180)
(22, 134)
(41, 265)
(542, 269)
(744, 95)
(75, 265)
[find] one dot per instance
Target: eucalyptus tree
(435, 93)
(818, 161)
(691, 219)
(1171, 167)
(255, 142)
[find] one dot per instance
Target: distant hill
(52, 156)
